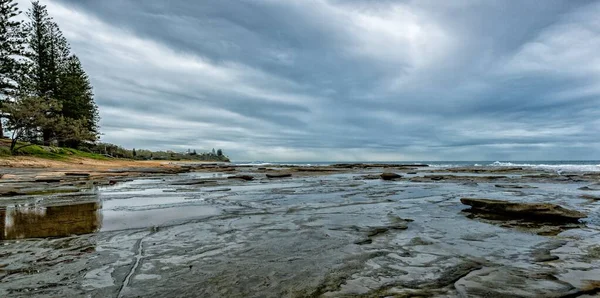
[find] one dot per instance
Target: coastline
(88, 163)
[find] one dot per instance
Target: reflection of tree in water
(2, 222)
(53, 221)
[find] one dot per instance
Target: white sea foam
(255, 163)
(552, 167)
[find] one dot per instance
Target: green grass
(4, 151)
(61, 153)
(77, 153)
(49, 152)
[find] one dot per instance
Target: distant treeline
(111, 150)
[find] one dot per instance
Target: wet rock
(77, 174)
(593, 187)
(377, 230)
(50, 190)
(242, 177)
(512, 282)
(377, 165)
(364, 241)
(515, 186)
(541, 176)
(390, 176)
(48, 180)
(219, 190)
(370, 177)
(316, 169)
(477, 237)
(544, 257)
(446, 277)
(590, 197)
(398, 219)
(278, 175)
(543, 253)
(419, 241)
(10, 192)
(435, 177)
(374, 231)
(593, 253)
(544, 230)
(457, 178)
(530, 211)
(347, 165)
(194, 182)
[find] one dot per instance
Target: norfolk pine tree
(76, 96)
(55, 74)
(11, 49)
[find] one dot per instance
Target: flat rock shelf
(289, 231)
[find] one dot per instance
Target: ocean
(553, 165)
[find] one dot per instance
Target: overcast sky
(344, 80)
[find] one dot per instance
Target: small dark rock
(219, 190)
(364, 241)
(376, 231)
(390, 176)
(48, 180)
(530, 211)
(242, 177)
(278, 175)
(545, 258)
(73, 174)
(515, 186)
(10, 192)
(590, 197)
(194, 182)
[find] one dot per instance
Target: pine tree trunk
(46, 134)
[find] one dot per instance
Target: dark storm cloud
(344, 80)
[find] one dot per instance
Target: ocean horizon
(556, 165)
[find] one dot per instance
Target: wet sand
(215, 230)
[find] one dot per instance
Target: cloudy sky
(344, 80)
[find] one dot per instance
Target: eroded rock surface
(320, 233)
(390, 176)
(531, 211)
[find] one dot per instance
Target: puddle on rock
(109, 210)
(31, 221)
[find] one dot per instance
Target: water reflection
(31, 221)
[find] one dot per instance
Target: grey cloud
(330, 79)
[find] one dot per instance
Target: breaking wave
(566, 167)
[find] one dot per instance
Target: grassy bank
(46, 152)
(112, 152)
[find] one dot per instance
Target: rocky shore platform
(345, 230)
